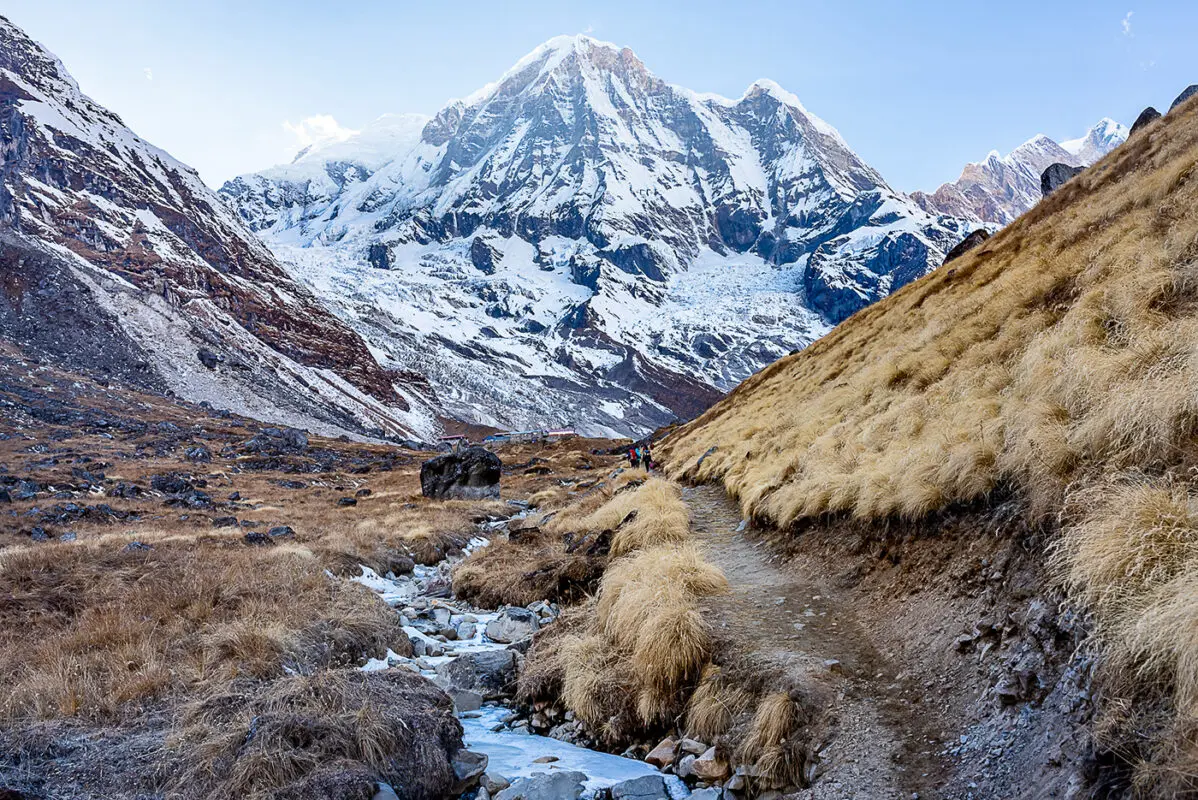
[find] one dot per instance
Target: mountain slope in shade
(582, 242)
(999, 189)
(118, 259)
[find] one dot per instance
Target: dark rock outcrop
(1055, 177)
(1189, 92)
(379, 256)
(468, 475)
(1147, 116)
(483, 256)
(968, 243)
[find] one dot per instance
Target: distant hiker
(633, 457)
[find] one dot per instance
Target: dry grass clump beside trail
(331, 734)
(95, 630)
(648, 644)
(528, 566)
(1058, 359)
(632, 662)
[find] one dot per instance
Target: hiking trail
(789, 618)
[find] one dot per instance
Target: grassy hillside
(1058, 361)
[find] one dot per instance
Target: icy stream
(511, 753)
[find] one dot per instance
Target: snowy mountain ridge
(998, 189)
(581, 242)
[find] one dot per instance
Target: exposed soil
(954, 668)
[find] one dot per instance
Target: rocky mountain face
(117, 259)
(999, 189)
(583, 243)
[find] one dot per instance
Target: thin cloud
(316, 130)
(1127, 24)
(149, 73)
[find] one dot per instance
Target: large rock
(663, 755)
(1055, 177)
(471, 474)
(468, 769)
(545, 786)
(489, 673)
(968, 243)
(1147, 116)
(646, 787)
(512, 625)
(710, 767)
(1189, 92)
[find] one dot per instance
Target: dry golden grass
(88, 630)
(781, 739)
(312, 736)
(1057, 359)
(715, 706)
(640, 654)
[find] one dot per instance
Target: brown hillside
(1058, 360)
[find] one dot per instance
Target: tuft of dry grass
(284, 737)
(527, 567)
(715, 706)
(780, 742)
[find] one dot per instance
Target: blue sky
(918, 89)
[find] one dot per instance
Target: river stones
(468, 768)
(663, 755)
(512, 625)
(487, 673)
(545, 786)
(646, 787)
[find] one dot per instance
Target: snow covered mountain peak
(581, 242)
(998, 189)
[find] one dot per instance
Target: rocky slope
(119, 260)
(999, 189)
(582, 242)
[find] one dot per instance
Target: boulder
(545, 786)
(277, 441)
(972, 240)
(466, 630)
(487, 673)
(1055, 176)
(468, 768)
(470, 474)
(646, 787)
(465, 700)
(664, 753)
(710, 767)
(494, 782)
(693, 746)
(512, 625)
(1147, 117)
(208, 358)
(1189, 92)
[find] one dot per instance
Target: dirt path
(793, 620)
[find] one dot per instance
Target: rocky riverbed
(475, 655)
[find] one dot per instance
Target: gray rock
(494, 782)
(466, 630)
(1147, 117)
(646, 787)
(468, 768)
(471, 474)
(973, 239)
(710, 793)
(487, 673)
(385, 792)
(1189, 92)
(1055, 176)
(465, 700)
(545, 786)
(512, 625)
(686, 766)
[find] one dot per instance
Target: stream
(512, 752)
